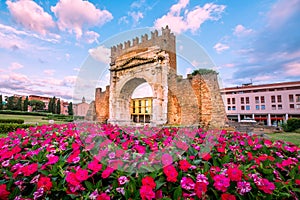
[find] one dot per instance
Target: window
(247, 107)
(229, 108)
(262, 99)
(242, 107)
(297, 97)
(292, 106)
(263, 107)
(140, 103)
(233, 100)
(256, 99)
(228, 100)
(273, 99)
(247, 100)
(140, 110)
(273, 107)
(291, 98)
(298, 106)
(242, 100)
(233, 108)
(279, 107)
(257, 107)
(279, 100)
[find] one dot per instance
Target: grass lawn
(287, 137)
(28, 119)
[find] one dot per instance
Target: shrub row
(291, 125)
(16, 112)
(6, 128)
(16, 121)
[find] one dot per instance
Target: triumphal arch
(195, 100)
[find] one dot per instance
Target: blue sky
(45, 44)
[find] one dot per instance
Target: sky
(46, 46)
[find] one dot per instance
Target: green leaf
(89, 185)
(159, 184)
(177, 193)
(45, 172)
(225, 159)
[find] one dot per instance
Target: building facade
(141, 110)
(81, 109)
(269, 104)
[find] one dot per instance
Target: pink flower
(71, 179)
(44, 182)
(227, 196)
(171, 173)
(243, 187)
(103, 196)
(201, 178)
(266, 186)
(122, 180)
(82, 174)
(107, 172)
(30, 169)
(187, 183)
(221, 182)
(52, 159)
(234, 174)
(166, 159)
(147, 193)
(3, 192)
(95, 166)
(200, 189)
(184, 165)
(149, 181)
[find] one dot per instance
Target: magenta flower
(122, 180)
(243, 187)
(221, 182)
(187, 183)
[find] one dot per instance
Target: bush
(6, 128)
(16, 121)
(15, 112)
(291, 125)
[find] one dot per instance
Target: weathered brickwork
(102, 104)
(195, 100)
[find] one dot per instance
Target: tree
(25, 105)
(50, 106)
(1, 102)
(19, 104)
(58, 107)
(37, 105)
(70, 109)
(10, 103)
(53, 105)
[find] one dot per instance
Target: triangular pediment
(133, 62)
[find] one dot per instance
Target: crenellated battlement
(166, 41)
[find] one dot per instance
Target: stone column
(239, 117)
(286, 117)
(269, 120)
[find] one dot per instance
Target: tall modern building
(269, 104)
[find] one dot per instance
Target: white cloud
(136, 16)
(123, 19)
(281, 11)
(101, 54)
(240, 30)
(30, 15)
(180, 19)
(195, 63)
(219, 47)
(143, 90)
(292, 69)
(49, 72)
(15, 66)
(75, 15)
(137, 4)
(91, 37)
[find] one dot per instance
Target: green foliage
(37, 105)
(203, 72)
(25, 104)
(6, 128)
(1, 102)
(291, 125)
(19, 104)
(15, 112)
(58, 107)
(16, 121)
(70, 109)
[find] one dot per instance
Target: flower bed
(87, 161)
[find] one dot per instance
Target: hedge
(16, 112)
(16, 121)
(6, 128)
(292, 125)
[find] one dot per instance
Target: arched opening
(141, 104)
